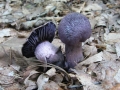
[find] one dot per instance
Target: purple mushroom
(74, 29)
(39, 45)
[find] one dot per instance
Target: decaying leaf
(14, 42)
(117, 76)
(116, 87)
(51, 86)
(42, 80)
(13, 87)
(92, 7)
(7, 75)
(29, 83)
(51, 72)
(86, 81)
(95, 58)
(117, 47)
(58, 78)
(89, 50)
(2, 40)
(101, 20)
(5, 32)
(110, 48)
(112, 38)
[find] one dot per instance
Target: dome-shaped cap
(74, 28)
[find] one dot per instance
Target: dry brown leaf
(23, 34)
(101, 20)
(51, 72)
(89, 50)
(110, 48)
(2, 40)
(86, 80)
(117, 47)
(95, 58)
(92, 7)
(107, 56)
(92, 22)
(101, 46)
(32, 85)
(16, 67)
(58, 78)
(41, 81)
(13, 87)
(112, 38)
(7, 75)
(51, 86)
(105, 72)
(116, 87)
(29, 83)
(7, 32)
(117, 76)
(14, 42)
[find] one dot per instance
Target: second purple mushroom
(74, 29)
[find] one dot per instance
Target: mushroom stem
(73, 54)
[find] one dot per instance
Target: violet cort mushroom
(74, 29)
(39, 45)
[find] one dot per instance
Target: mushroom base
(73, 55)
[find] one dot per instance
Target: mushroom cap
(44, 50)
(74, 28)
(42, 33)
(47, 52)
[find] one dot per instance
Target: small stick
(4, 50)
(10, 55)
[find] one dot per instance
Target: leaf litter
(99, 71)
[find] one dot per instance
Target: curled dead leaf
(116, 87)
(51, 72)
(95, 58)
(89, 50)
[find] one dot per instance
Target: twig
(4, 50)
(10, 56)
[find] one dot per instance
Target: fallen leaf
(2, 40)
(101, 21)
(29, 83)
(86, 81)
(14, 42)
(112, 38)
(95, 58)
(5, 32)
(107, 56)
(110, 48)
(116, 87)
(89, 50)
(41, 81)
(117, 47)
(58, 78)
(93, 6)
(117, 76)
(51, 72)
(51, 86)
(16, 67)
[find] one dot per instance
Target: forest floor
(100, 69)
